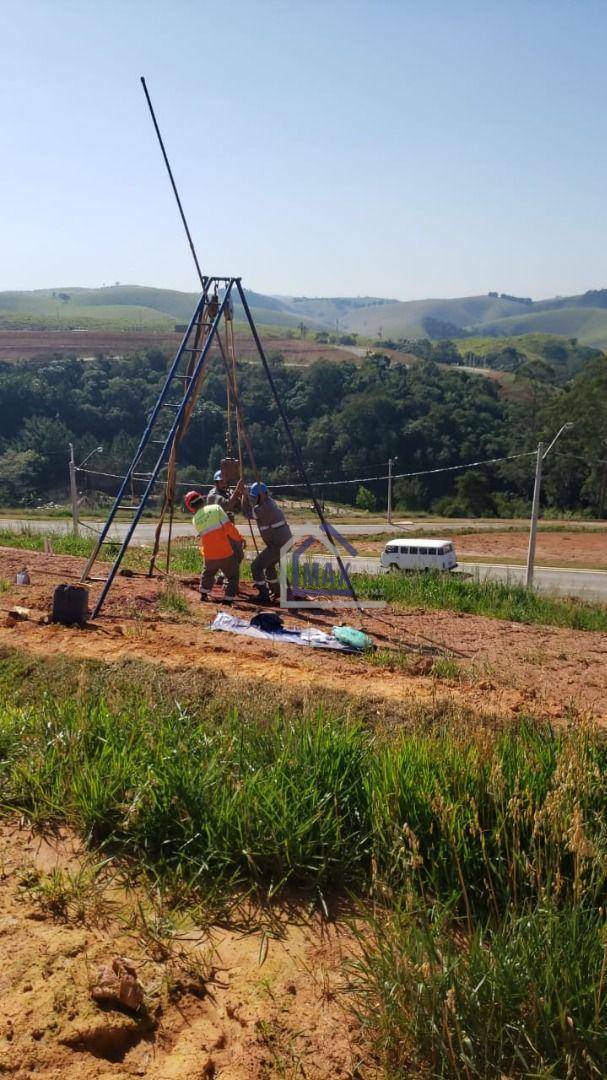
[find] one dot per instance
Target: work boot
(263, 594)
(274, 590)
(203, 596)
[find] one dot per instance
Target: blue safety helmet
(217, 476)
(257, 489)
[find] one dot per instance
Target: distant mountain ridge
(583, 316)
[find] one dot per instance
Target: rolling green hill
(133, 307)
(587, 324)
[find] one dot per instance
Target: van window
(390, 549)
(447, 548)
(422, 551)
(404, 551)
(412, 551)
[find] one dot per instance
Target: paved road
(144, 532)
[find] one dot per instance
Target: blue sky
(405, 149)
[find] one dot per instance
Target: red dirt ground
(30, 344)
(553, 548)
(501, 668)
(578, 548)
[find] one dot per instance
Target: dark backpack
(268, 621)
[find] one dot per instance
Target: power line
(419, 472)
(339, 483)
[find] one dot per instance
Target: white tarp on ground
(317, 639)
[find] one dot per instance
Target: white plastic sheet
(316, 639)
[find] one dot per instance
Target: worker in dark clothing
(220, 495)
(275, 532)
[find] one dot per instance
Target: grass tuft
(172, 600)
(523, 998)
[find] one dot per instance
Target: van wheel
(393, 568)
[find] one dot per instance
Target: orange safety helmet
(192, 500)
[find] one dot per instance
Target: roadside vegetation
(434, 591)
(475, 859)
(428, 591)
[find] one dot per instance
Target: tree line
(348, 418)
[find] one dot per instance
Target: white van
(418, 554)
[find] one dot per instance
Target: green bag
(356, 639)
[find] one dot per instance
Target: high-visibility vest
(216, 531)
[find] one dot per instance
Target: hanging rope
(228, 356)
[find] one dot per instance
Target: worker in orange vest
(221, 544)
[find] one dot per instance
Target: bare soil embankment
(37, 344)
(497, 668)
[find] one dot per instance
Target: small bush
(444, 667)
(172, 600)
(365, 499)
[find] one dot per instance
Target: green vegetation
(315, 797)
(477, 858)
(493, 599)
(588, 325)
(523, 998)
(62, 544)
(172, 600)
(349, 419)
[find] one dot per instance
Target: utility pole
(391, 462)
(73, 491)
(535, 508)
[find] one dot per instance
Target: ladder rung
(171, 405)
(114, 542)
(183, 376)
(123, 506)
(104, 579)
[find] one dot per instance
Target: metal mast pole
(173, 184)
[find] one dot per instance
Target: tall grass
(525, 998)
(493, 599)
(62, 543)
(483, 855)
(320, 800)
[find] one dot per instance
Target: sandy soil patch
(218, 1003)
(577, 549)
